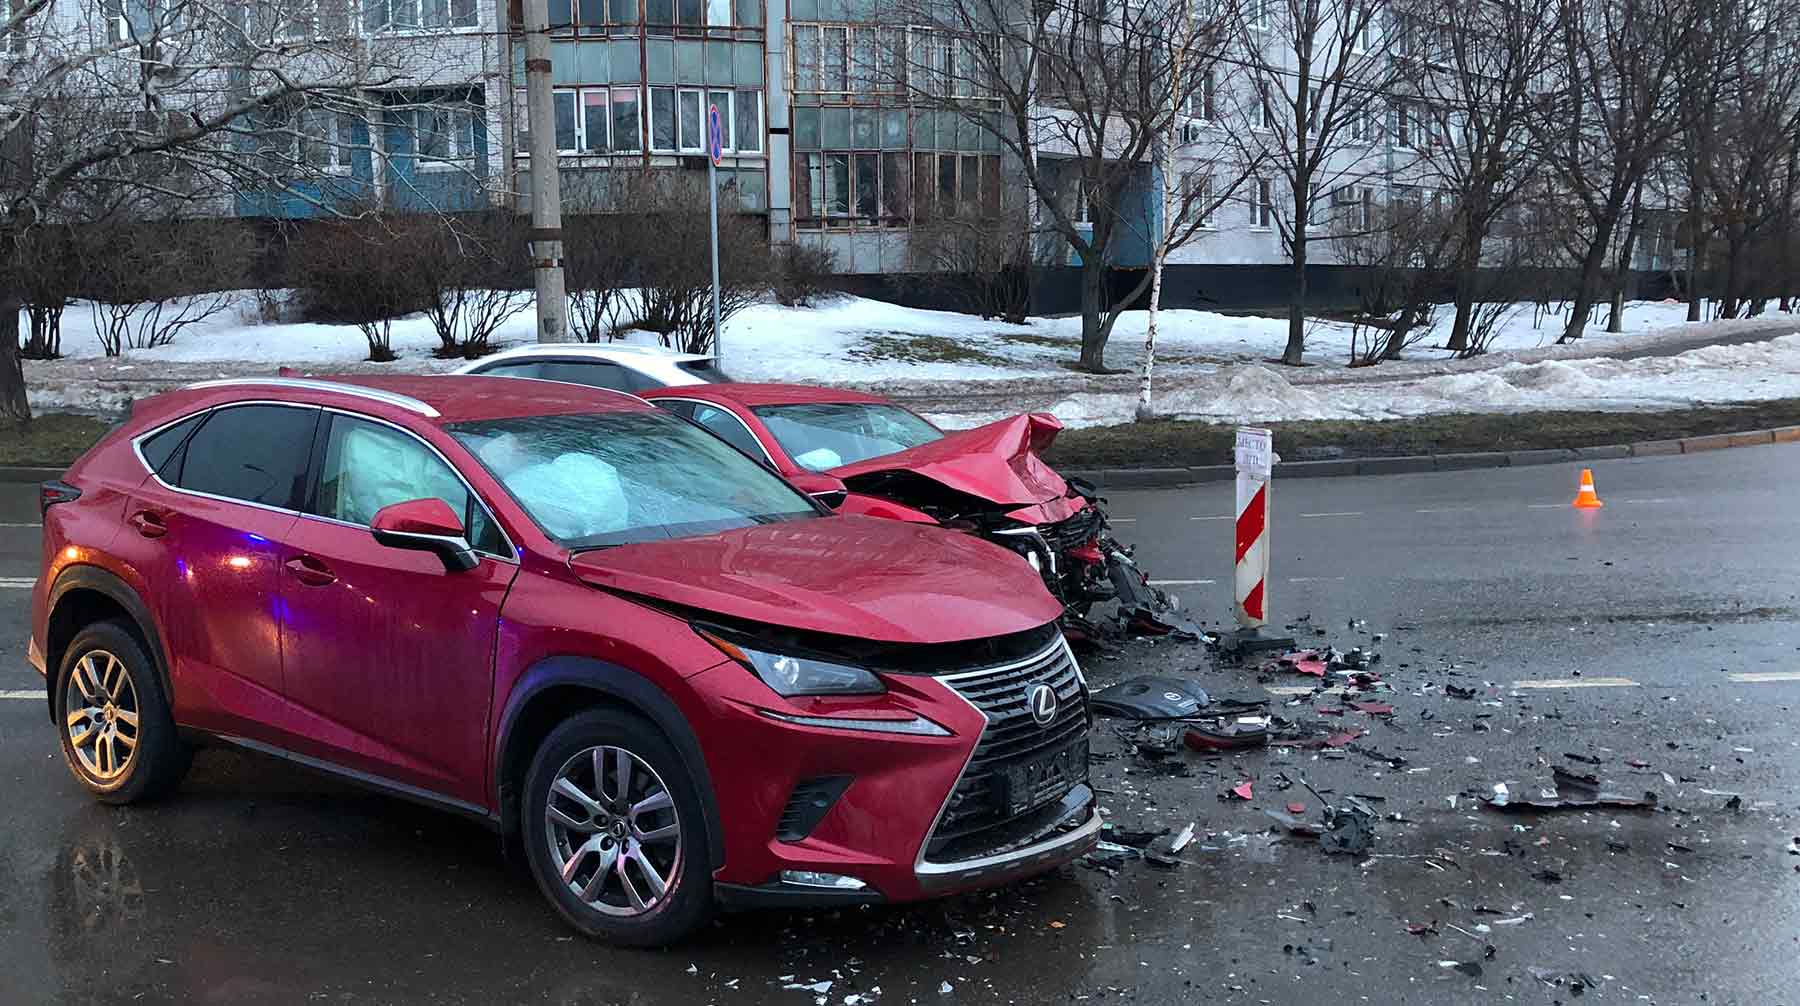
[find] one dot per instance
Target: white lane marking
(1759, 677)
(1313, 579)
(1301, 690)
(1444, 509)
(1577, 683)
(38, 695)
(1659, 499)
(4, 523)
(17, 582)
(1121, 520)
(1546, 506)
(1344, 513)
(1221, 517)
(1179, 583)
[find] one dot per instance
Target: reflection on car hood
(874, 579)
(998, 462)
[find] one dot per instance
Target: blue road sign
(715, 135)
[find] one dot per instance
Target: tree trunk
(1696, 262)
(1585, 293)
(1296, 343)
(12, 375)
(1093, 329)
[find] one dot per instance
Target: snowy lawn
(963, 370)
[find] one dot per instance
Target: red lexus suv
(669, 679)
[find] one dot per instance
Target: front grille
(1072, 532)
(1011, 738)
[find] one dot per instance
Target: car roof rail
(406, 402)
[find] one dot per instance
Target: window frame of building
(1203, 100)
(1209, 217)
(1262, 205)
(458, 16)
(460, 147)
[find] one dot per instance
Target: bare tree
(1479, 64)
(1077, 93)
(598, 274)
(361, 270)
(1397, 250)
(1317, 75)
(1608, 111)
(473, 268)
(167, 98)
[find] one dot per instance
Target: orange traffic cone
(1587, 499)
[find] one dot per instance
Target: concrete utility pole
(546, 183)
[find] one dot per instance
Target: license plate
(1045, 778)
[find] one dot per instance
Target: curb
(1167, 478)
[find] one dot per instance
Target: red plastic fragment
(1373, 708)
(1296, 808)
(1242, 790)
(1342, 738)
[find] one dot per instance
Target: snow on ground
(964, 370)
(1709, 375)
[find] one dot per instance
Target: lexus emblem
(1041, 700)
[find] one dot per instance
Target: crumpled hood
(998, 462)
(882, 580)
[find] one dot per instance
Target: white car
(630, 369)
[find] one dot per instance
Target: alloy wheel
(614, 834)
(102, 715)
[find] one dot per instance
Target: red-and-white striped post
(1255, 458)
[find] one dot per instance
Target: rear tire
(118, 735)
(627, 864)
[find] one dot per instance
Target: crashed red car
(864, 454)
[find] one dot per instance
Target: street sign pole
(714, 145)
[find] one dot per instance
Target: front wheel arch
(557, 688)
(83, 595)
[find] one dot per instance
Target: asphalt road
(1659, 635)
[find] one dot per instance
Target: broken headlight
(790, 675)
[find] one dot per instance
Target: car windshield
(592, 481)
(823, 435)
(706, 370)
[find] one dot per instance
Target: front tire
(614, 833)
(118, 735)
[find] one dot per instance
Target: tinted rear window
(160, 449)
(256, 453)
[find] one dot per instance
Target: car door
(389, 654)
(206, 530)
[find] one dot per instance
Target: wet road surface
(1660, 631)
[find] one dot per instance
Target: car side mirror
(425, 525)
(824, 488)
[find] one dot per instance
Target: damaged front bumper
(1072, 830)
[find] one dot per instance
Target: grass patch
(52, 440)
(1034, 339)
(902, 348)
(1178, 443)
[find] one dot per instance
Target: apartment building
(817, 136)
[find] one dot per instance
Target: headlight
(790, 675)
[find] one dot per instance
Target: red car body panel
(304, 634)
(997, 462)
(847, 576)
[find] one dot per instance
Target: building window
(840, 61)
(1366, 203)
(690, 121)
(1197, 199)
(318, 139)
(406, 15)
(596, 120)
(443, 133)
(589, 17)
(662, 119)
(1363, 128)
(1259, 14)
(1262, 211)
(1202, 102)
(1267, 118)
(1403, 127)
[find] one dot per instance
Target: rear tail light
(52, 493)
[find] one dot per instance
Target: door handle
(149, 524)
(309, 571)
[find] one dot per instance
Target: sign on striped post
(1255, 459)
